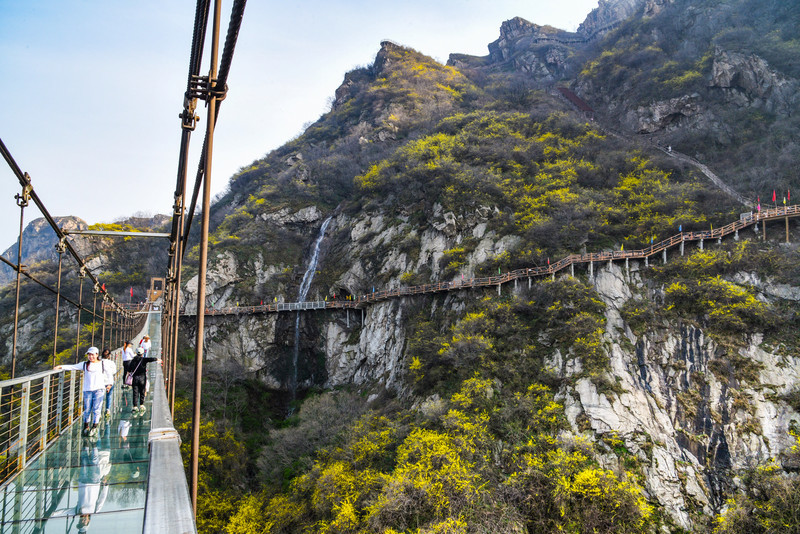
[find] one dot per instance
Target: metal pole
(201, 278)
(103, 329)
(175, 312)
(111, 329)
(60, 248)
(22, 202)
(169, 356)
(111, 326)
(81, 276)
(96, 290)
(23, 424)
(180, 208)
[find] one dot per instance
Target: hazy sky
(91, 89)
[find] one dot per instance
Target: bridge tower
(156, 290)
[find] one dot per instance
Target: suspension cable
(25, 181)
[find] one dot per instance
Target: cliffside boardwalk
(677, 240)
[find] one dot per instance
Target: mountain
(121, 264)
(618, 396)
(626, 397)
(39, 244)
(39, 240)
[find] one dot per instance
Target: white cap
(140, 350)
(93, 350)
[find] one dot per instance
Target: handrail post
(45, 413)
(23, 424)
(81, 277)
(22, 201)
(60, 249)
(72, 381)
(60, 402)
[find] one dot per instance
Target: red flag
(131, 291)
(773, 195)
(788, 195)
(104, 287)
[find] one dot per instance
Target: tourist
(145, 344)
(138, 368)
(127, 356)
(110, 371)
(94, 385)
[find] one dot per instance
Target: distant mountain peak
(609, 13)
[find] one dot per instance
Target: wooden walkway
(550, 270)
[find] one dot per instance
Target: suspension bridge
(131, 477)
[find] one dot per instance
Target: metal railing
(34, 411)
(169, 506)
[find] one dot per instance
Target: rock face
(543, 53)
(540, 51)
(690, 442)
(609, 13)
(683, 112)
(39, 242)
(688, 419)
(355, 348)
(747, 81)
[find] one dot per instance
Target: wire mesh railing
(34, 411)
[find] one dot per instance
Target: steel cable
(237, 14)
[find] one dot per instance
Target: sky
(91, 89)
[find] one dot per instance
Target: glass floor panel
(127, 522)
(85, 483)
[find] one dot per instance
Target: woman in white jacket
(94, 387)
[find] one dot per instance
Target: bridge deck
(100, 484)
(99, 481)
(104, 478)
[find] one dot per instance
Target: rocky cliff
(689, 419)
(678, 378)
(39, 242)
(610, 13)
(546, 54)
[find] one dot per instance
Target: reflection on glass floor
(85, 484)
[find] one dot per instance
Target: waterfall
(308, 277)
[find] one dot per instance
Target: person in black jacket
(138, 368)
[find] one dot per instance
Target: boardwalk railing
(745, 220)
